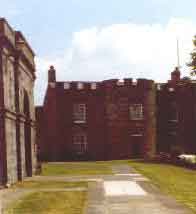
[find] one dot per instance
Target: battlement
(106, 84)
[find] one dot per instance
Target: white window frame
(79, 113)
(136, 112)
(80, 144)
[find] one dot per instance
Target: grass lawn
(49, 184)
(50, 203)
(176, 181)
(76, 168)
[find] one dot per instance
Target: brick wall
(110, 132)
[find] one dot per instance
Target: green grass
(76, 168)
(50, 203)
(49, 184)
(176, 181)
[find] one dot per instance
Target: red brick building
(116, 119)
(97, 120)
(176, 114)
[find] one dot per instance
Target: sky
(104, 39)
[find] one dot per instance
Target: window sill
(137, 119)
(79, 121)
(175, 121)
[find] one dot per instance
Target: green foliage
(192, 63)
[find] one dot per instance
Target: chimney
(175, 75)
(51, 74)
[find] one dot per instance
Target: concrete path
(125, 193)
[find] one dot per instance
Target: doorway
(136, 146)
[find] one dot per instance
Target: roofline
(19, 33)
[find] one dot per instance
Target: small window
(80, 86)
(136, 112)
(66, 85)
(80, 143)
(79, 113)
(94, 86)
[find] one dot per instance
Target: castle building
(176, 114)
(104, 120)
(17, 113)
(116, 119)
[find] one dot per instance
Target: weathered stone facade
(17, 115)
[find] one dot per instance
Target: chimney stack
(51, 74)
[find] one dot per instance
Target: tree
(192, 63)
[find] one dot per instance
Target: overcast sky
(102, 39)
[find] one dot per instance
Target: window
(80, 143)
(136, 112)
(79, 113)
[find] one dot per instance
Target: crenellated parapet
(106, 84)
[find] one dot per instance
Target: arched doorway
(27, 136)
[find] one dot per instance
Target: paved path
(144, 198)
(125, 192)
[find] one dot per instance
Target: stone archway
(27, 135)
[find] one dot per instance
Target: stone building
(17, 114)
(104, 120)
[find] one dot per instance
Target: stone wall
(10, 131)
(17, 114)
